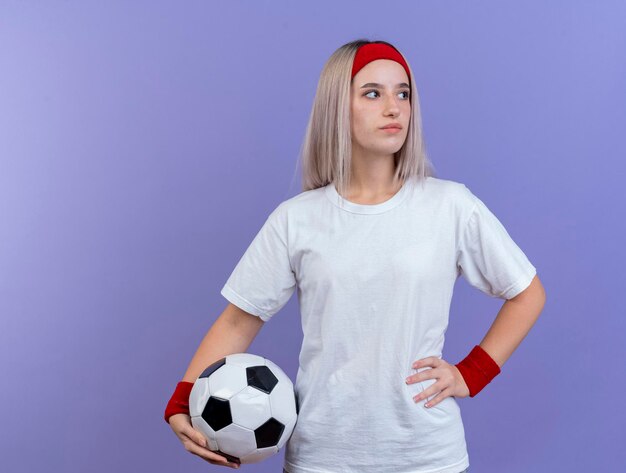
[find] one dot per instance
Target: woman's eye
(376, 92)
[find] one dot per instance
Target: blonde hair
(326, 151)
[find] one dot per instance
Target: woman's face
(374, 106)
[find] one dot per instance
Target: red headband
(371, 51)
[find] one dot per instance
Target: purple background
(143, 144)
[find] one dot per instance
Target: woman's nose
(391, 105)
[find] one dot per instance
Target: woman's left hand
(450, 382)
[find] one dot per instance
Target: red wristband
(179, 403)
(478, 369)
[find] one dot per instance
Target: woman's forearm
(232, 332)
(513, 322)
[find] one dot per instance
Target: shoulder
(299, 203)
(451, 192)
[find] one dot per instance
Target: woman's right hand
(195, 442)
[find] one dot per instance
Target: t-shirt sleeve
(263, 279)
(487, 256)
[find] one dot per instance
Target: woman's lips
(391, 130)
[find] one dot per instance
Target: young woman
(373, 245)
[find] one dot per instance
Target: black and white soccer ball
(245, 406)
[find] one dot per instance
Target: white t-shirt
(374, 285)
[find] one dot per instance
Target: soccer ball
(245, 406)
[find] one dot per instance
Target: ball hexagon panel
(282, 406)
(250, 408)
(227, 381)
(287, 388)
(236, 440)
(259, 454)
(198, 396)
(245, 359)
(282, 403)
